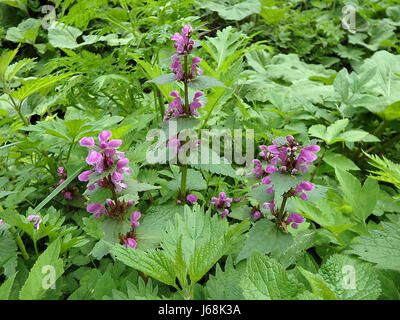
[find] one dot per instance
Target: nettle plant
(281, 166)
(109, 167)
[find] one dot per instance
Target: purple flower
(195, 70)
(236, 200)
(61, 172)
(68, 195)
(222, 201)
(97, 209)
(130, 242)
(37, 220)
(270, 205)
(306, 157)
(258, 170)
(176, 67)
(294, 219)
(196, 103)
(304, 186)
(135, 216)
(1, 222)
(224, 213)
(87, 142)
(271, 169)
(191, 198)
(183, 43)
(95, 159)
(175, 108)
(256, 215)
(84, 176)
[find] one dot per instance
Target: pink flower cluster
(293, 219)
(184, 45)
(221, 204)
(36, 221)
(105, 157)
(98, 209)
(129, 241)
(176, 107)
(287, 158)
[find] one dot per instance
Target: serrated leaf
(264, 238)
(350, 279)
(266, 279)
(318, 285)
(381, 246)
(33, 86)
(362, 199)
(152, 262)
(5, 288)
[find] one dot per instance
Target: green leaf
(5, 288)
(381, 246)
(225, 285)
(63, 36)
(26, 31)
(337, 160)
(232, 10)
(264, 238)
(8, 253)
(318, 285)
(325, 214)
(36, 285)
(362, 199)
(33, 86)
(204, 82)
(5, 60)
(350, 279)
(223, 47)
(341, 84)
(330, 134)
(163, 79)
(266, 279)
(154, 263)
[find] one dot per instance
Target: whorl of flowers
(221, 204)
(287, 158)
(110, 166)
(185, 73)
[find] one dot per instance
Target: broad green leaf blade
(266, 279)
(5, 288)
(381, 246)
(318, 285)
(350, 279)
(46, 270)
(154, 263)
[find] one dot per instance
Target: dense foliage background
(73, 69)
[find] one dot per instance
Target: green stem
(70, 149)
(20, 244)
(183, 180)
(319, 163)
(35, 246)
(18, 109)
